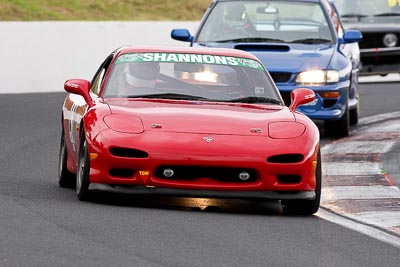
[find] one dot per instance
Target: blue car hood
(287, 57)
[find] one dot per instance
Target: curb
(355, 184)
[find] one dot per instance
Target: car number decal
(259, 91)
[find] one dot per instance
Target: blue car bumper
(323, 108)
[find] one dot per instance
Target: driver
(142, 74)
(236, 20)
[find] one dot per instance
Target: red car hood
(201, 117)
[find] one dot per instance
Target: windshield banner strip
(189, 58)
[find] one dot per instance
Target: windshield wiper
(388, 14)
(251, 39)
(353, 15)
(170, 96)
(255, 99)
(312, 41)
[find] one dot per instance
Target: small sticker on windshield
(259, 91)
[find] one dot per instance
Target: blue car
(302, 44)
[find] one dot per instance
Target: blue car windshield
(266, 21)
(360, 9)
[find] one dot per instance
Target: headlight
(317, 77)
(285, 129)
(390, 40)
(124, 123)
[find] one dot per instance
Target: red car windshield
(190, 77)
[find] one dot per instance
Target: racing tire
(82, 175)
(354, 116)
(306, 207)
(66, 179)
(340, 127)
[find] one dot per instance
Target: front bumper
(159, 191)
(190, 151)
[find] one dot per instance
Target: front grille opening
(286, 158)
(327, 103)
(221, 174)
(121, 173)
(281, 77)
(128, 152)
(289, 179)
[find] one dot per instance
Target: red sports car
(189, 122)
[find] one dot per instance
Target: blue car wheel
(340, 127)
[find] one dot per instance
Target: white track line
(347, 168)
(359, 192)
(378, 118)
(361, 147)
(385, 219)
(360, 227)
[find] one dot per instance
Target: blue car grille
(281, 77)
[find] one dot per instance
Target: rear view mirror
(267, 10)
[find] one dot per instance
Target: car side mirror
(181, 35)
(80, 87)
(351, 36)
(301, 96)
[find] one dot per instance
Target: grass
(94, 10)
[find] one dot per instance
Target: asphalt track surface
(44, 225)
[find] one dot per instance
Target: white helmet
(142, 74)
(235, 17)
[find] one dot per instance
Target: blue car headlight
(317, 77)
